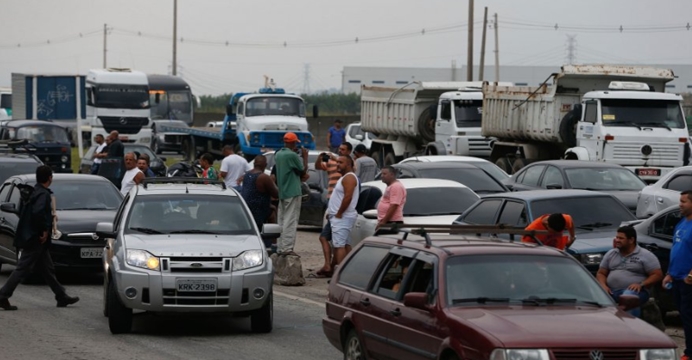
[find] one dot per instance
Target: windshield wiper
(628, 123)
(595, 225)
(657, 124)
(193, 231)
(146, 230)
(550, 301)
(480, 300)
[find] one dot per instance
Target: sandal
(324, 273)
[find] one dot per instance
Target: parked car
(167, 141)
(460, 297)
(576, 174)
(428, 201)
(186, 245)
(13, 163)
(355, 135)
(49, 142)
(81, 202)
(596, 216)
(664, 192)
(157, 163)
(486, 165)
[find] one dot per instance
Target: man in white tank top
(341, 210)
(133, 175)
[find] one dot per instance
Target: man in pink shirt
(391, 207)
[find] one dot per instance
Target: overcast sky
(657, 36)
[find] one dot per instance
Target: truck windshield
(468, 112)
(5, 101)
(122, 96)
(651, 113)
(282, 106)
(41, 134)
(172, 105)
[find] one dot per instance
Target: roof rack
(182, 180)
(17, 146)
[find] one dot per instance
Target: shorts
(341, 231)
(327, 231)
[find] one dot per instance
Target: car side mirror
(359, 137)
(9, 207)
(370, 214)
(553, 186)
(271, 230)
(628, 302)
(315, 112)
(104, 230)
(417, 300)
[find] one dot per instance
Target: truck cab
(5, 104)
(458, 124)
(49, 142)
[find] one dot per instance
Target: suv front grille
(173, 297)
(196, 265)
(580, 354)
(124, 125)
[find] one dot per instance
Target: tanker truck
(431, 118)
(614, 114)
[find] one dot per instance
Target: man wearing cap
(290, 172)
(366, 167)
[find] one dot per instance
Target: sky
(66, 36)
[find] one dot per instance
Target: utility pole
(175, 37)
(481, 69)
(497, 51)
(469, 55)
(454, 70)
(571, 48)
(105, 46)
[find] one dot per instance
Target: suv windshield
(468, 112)
(663, 113)
(603, 179)
(587, 212)
(85, 195)
(283, 106)
(438, 201)
(41, 134)
(189, 213)
(122, 96)
(527, 279)
(474, 178)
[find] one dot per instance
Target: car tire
(519, 163)
(504, 164)
(353, 347)
(262, 320)
(105, 295)
(389, 159)
(120, 317)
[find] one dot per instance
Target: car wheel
(105, 295)
(262, 320)
(353, 349)
(504, 164)
(389, 159)
(119, 316)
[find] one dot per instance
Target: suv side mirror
(370, 214)
(417, 300)
(553, 186)
(104, 230)
(271, 230)
(9, 207)
(628, 302)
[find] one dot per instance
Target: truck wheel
(389, 159)
(262, 320)
(376, 155)
(426, 124)
(119, 316)
(504, 164)
(518, 164)
(568, 127)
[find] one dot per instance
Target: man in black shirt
(116, 149)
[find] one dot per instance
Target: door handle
(365, 302)
(396, 312)
(660, 200)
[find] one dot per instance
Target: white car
(485, 165)
(665, 192)
(355, 136)
(428, 201)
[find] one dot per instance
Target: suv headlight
(519, 354)
(248, 259)
(591, 259)
(142, 259)
(657, 354)
(64, 158)
(145, 140)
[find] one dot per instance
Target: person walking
(206, 161)
(290, 171)
(35, 255)
(629, 269)
(555, 224)
(366, 167)
(143, 161)
(99, 153)
(258, 190)
(336, 135)
(341, 210)
(391, 206)
(133, 175)
(679, 274)
(233, 166)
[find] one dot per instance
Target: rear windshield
(474, 178)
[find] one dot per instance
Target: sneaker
(5, 304)
(67, 300)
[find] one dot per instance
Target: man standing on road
(680, 269)
(629, 269)
(391, 206)
(133, 175)
(233, 166)
(99, 153)
(35, 255)
(290, 171)
(555, 224)
(116, 149)
(143, 164)
(341, 210)
(258, 189)
(366, 167)
(336, 136)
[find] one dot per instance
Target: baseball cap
(290, 137)
(360, 148)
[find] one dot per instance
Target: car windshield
(521, 279)
(433, 200)
(173, 105)
(283, 106)
(603, 179)
(474, 178)
(8, 169)
(189, 213)
(491, 169)
(41, 134)
(122, 96)
(468, 112)
(85, 195)
(646, 113)
(587, 212)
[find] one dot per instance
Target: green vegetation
(328, 104)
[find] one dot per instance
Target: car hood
(193, 244)
(545, 327)
(598, 240)
(74, 221)
(430, 220)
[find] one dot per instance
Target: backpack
(24, 231)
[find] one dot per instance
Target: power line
(52, 41)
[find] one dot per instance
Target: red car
(467, 297)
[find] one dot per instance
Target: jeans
(289, 212)
(95, 169)
(682, 295)
(643, 298)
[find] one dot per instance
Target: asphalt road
(39, 330)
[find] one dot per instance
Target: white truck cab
(458, 124)
(5, 104)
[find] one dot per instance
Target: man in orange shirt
(555, 224)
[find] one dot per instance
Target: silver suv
(186, 245)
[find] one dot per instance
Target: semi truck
(614, 114)
(254, 123)
(5, 104)
(431, 118)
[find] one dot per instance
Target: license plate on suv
(648, 172)
(90, 253)
(196, 285)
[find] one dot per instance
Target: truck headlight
(142, 259)
(248, 259)
(591, 259)
(64, 158)
(519, 354)
(145, 140)
(657, 354)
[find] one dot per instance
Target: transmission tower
(306, 79)
(571, 49)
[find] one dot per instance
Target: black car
(575, 174)
(596, 216)
(82, 201)
(48, 141)
(12, 163)
(167, 141)
(157, 163)
(472, 176)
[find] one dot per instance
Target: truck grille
(173, 297)
(124, 125)
(195, 265)
(580, 354)
(661, 152)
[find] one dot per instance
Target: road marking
(298, 298)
